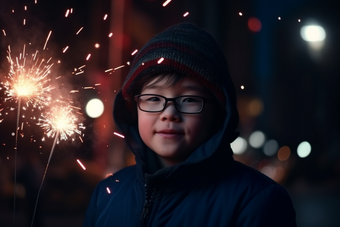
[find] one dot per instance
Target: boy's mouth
(170, 133)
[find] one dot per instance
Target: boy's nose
(170, 113)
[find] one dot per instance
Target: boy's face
(172, 135)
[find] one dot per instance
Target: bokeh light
(257, 139)
(255, 107)
(254, 24)
(94, 108)
(304, 149)
(284, 153)
(239, 145)
(313, 33)
(269, 170)
(270, 147)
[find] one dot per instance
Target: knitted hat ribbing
(186, 49)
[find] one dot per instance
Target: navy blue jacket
(209, 189)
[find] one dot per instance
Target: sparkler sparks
(67, 13)
(81, 164)
(65, 49)
(28, 79)
(166, 3)
(134, 52)
(160, 60)
(48, 37)
(119, 67)
(60, 121)
(120, 135)
(79, 30)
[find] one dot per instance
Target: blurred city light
(313, 33)
(269, 170)
(304, 149)
(257, 139)
(94, 108)
(270, 147)
(315, 36)
(284, 153)
(255, 107)
(239, 145)
(254, 24)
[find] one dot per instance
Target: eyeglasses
(188, 104)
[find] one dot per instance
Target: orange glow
(284, 153)
(254, 24)
(255, 107)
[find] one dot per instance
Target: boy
(177, 110)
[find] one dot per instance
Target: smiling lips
(170, 133)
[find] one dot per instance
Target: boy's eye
(154, 99)
(190, 99)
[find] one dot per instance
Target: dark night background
(290, 93)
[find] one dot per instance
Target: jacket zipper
(149, 197)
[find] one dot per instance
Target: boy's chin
(171, 157)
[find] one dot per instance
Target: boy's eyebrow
(152, 86)
(195, 88)
(189, 87)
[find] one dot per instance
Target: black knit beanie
(184, 49)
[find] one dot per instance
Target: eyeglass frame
(205, 100)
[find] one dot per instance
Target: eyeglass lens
(186, 104)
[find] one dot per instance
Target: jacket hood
(203, 61)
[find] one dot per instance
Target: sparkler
(61, 123)
(26, 82)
